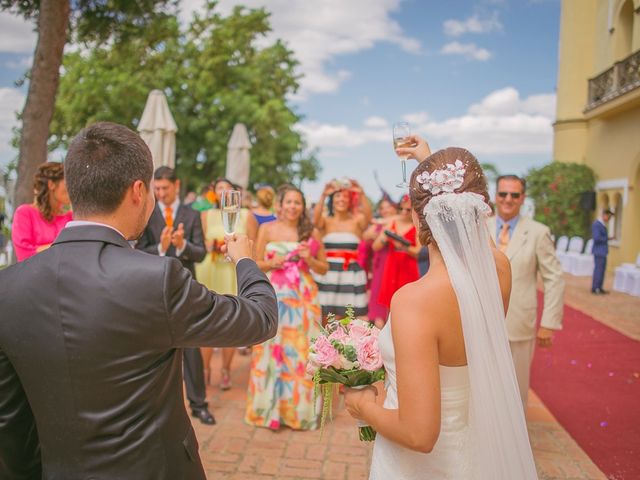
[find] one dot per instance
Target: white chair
(582, 265)
(624, 277)
(563, 243)
(633, 283)
(561, 248)
(576, 244)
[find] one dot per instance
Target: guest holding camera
(349, 214)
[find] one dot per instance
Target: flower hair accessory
(445, 180)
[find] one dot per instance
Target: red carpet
(590, 381)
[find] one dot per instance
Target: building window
(615, 224)
(603, 204)
(623, 32)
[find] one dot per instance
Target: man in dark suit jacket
(175, 230)
(600, 251)
(92, 331)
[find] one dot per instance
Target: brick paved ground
(233, 450)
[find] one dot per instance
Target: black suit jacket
(194, 250)
(89, 335)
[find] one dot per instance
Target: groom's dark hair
(103, 161)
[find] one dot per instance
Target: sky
(479, 74)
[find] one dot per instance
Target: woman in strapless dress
(452, 408)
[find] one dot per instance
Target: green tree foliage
(556, 190)
(216, 72)
(84, 21)
(490, 171)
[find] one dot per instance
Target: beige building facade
(598, 109)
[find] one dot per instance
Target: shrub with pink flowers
(346, 353)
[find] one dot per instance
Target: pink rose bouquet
(346, 353)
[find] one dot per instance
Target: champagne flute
(230, 209)
(401, 133)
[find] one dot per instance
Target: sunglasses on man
(514, 195)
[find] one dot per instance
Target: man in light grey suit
(92, 331)
(530, 249)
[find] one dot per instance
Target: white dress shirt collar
(84, 223)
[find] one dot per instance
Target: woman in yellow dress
(216, 273)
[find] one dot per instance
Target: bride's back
(436, 296)
(468, 419)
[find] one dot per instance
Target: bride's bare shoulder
(422, 300)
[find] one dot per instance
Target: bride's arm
(416, 423)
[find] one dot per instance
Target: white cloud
(473, 24)
(11, 101)
(328, 136)
(22, 63)
(376, 122)
(415, 118)
(468, 50)
(320, 31)
(506, 101)
(500, 124)
(17, 35)
(544, 104)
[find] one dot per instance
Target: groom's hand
(238, 246)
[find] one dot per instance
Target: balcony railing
(623, 77)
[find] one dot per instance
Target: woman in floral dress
(280, 393)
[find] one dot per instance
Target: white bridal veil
(501, 449)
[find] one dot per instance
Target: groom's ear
(138, 192)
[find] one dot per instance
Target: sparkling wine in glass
(230, 207)
(401, 133)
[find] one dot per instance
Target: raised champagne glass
(230, 209)
(401, 133)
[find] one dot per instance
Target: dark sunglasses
(514, 195)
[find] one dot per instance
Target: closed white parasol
(238, 156)
(158, 129)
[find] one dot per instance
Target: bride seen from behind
(452, 408)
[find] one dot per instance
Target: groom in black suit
(175, 230)
(92, 331)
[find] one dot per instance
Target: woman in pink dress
(36, 226)
(387, 209)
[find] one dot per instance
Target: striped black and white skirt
(343, 284)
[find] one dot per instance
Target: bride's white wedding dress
(483, 433)
(450, 457)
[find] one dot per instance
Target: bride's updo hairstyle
(474, 181)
